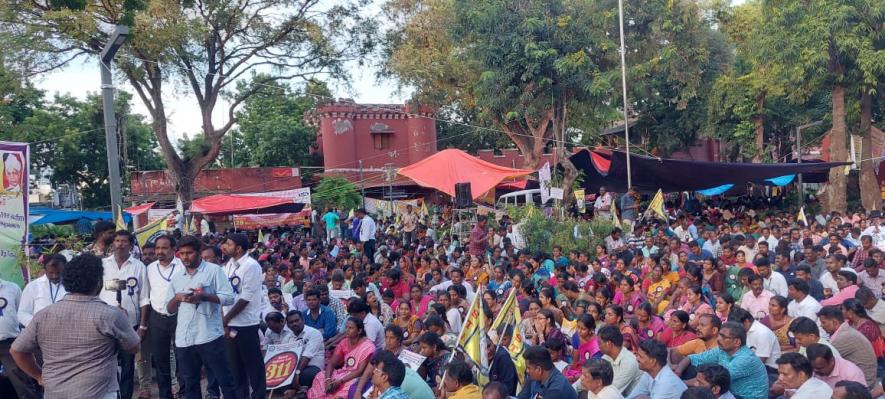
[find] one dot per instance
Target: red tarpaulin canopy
(447, 167)
(139, 209)
(225, 204)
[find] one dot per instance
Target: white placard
(556, 193)
(341, 294)
(411, 359)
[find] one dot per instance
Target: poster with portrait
(14, 160)
(279, 365)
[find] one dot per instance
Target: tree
(272, 124)
(337, 192)
(827, 43)
(202, 47)
(68, 143)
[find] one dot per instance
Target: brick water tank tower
(377, 134)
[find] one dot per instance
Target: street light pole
(624, 87)
(799, 158)
(115, 41)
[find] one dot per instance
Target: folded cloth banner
(254, 222)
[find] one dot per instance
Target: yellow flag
(579, 200)
(510, 316)
(614, 212)
(656, 205)
(121, 224)
(424, 210)
(470, 340)
(801, 216)
(187, 226)
(350, 214)
(260, 235)
(150, 232)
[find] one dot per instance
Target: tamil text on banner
(268, 220)
(509, 316)
(299, 195)
(382, 207)
(279, 365)
(13, 211)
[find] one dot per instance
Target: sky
(82, 77)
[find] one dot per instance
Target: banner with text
(266, 220)
(14, 161)
(279, 365)
(299, 195)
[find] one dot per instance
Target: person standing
(43, 291)
(410, 223)
(124, 286)
(79, 338)
(479, 237)
(162, 323)
(603, 205)
(331, 220)
(10, 299)
(629, 206)
(366, 233)
(103, 233)
(196, 295)
(241, 320)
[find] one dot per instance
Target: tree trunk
(870, 193)
(835, 194)
(759, 124)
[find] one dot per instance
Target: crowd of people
(725, 301)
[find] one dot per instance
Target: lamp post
(115, 41)
(624, 87)
(799, 157)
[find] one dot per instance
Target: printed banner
(279, 365)
(150, 232)
(255, 222)
(411, 359)
(382, 207)
(13, 211)
(299, 195)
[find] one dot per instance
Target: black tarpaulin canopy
(609, 168)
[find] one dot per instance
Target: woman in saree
(418, 301)
(658, 290)
(696, 305)
(586, 344)
(648, 324)
(614, 316)
(346, 365)
(629, 297)
(779, 322)
(409, 322)
(677, 332)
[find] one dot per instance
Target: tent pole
(624, 87)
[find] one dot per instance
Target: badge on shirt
(3, 303)
(235, 284)
(131, 283)
(351, 361)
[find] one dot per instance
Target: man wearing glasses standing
(749, 378)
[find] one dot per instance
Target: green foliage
(337, 192)
(68, 141)
(272, 126)
(542, 233)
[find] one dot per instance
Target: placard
(341, 294)
(411, 359)
(279, 365)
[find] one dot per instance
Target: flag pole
(624, 87)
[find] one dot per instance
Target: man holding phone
(196, 294)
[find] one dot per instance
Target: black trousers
(244, 352)
(25, 387)
(162, 337)
(369, 250)
(211, 355)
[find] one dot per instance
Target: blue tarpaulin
(40, 216)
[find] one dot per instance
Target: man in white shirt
(802, 304)
(367, 233)
(410, 223)
(457, 277)
(876, 231)
(10, 298)
(597, 376)
(774, 282)
(374, 329)
(602, 205)
(242, 319)
(624, 364)
(43, 291)
(162, 324)
(833, 263)
(796, 373)
(309, 345)
(125, 287)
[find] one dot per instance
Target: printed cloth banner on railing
(14, 161)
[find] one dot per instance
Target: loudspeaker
(463, 196)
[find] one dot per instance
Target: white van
(520, 198)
